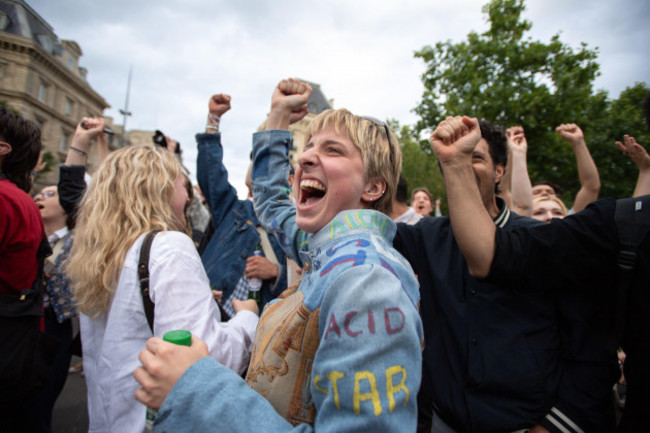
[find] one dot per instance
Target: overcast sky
(359, 51)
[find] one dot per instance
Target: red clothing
(21, 232)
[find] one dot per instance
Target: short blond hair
(130, 194)
(382, 156)
(554, 199)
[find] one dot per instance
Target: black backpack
(633, 224)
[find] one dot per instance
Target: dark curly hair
(25, 140)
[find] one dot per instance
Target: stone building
(40, 77)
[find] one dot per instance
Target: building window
(71, 63)
(39, 124)
(68, 107)
(42, 92)
(64, 142)
(4, 21)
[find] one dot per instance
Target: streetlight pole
(125, 112)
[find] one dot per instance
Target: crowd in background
(331, 301)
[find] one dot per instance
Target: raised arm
(517, 170)
(587, 170)
(212, 175)
(71, 173)
(454, 141)
(270, 171)
(288, 103)
(83, 135)
(641, 159)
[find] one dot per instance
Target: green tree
(504, 76)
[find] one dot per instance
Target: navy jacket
(577, 256)
(235, 236)
(491, 354)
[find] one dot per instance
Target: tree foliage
(505, 76)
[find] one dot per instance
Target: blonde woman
(547, 207)
(135, 191)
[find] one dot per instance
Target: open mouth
(40, 206)
(311, 191)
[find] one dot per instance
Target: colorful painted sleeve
(365, 376)
(368, 366)
(270, 178)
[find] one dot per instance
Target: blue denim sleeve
(270, 176)
(365, 376)
(211, 397)
(213, 176)
(368, 366)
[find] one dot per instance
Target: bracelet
(79, 151)
(213, 119)
(213, 123)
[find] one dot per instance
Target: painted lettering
(391, 389)
(333, 377)
(390, 328)
(372, 395)
(317, 385)
(336, 227)
(346, 324)
(332, 326)
(371, 322)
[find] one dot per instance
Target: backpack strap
(633, 225)
(143, 276)
(266, 246)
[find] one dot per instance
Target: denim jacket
(235, 236)
(367, 369)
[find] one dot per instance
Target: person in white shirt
(137, 190)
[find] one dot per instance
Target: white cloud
(360, 52)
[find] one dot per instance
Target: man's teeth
(312, 184)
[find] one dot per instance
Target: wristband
(212, 125)
(80, 152)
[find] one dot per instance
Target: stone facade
(40, 77)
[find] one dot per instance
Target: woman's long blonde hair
(129, 195)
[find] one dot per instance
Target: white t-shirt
(180, 290)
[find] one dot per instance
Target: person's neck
(53, 225)
(492, 207)
(398, 210)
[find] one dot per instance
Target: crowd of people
(514, 313)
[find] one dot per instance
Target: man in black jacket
(497, 359)
(576, 255)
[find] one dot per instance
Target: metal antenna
(125, 112)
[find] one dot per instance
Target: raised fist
(219, 104)
(570, 132)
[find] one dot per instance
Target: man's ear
(5, 148)
(499, 171)
(375, 188)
